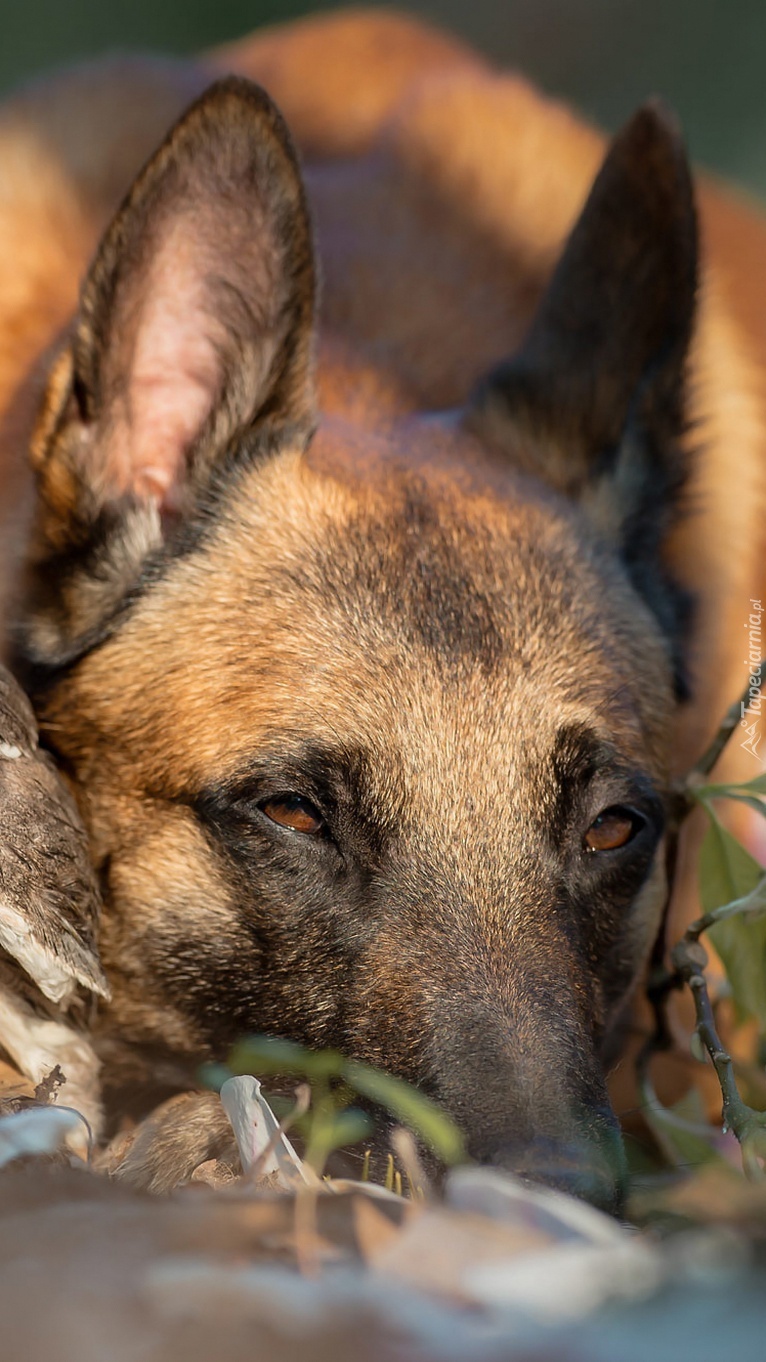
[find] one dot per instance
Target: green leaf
(753, 905)
(348, 1127)
(214, 1075)
(684, 1136)
(265, 1055)
(753, 802)
(741, 943)
(727, 871)
(755, 787)
(409, 1106)
(271, 1055)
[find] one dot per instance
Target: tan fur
(442, 135)
(441, 113)
(402, 130)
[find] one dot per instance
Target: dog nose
(592, 1168)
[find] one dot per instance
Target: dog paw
(188, 1135)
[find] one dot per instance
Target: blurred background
(706, 57)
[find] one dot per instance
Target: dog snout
(587, 1162)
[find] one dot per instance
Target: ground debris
(264, 1264)
(49, 1087)
(216, 1270)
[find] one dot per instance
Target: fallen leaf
(262, 1145)
(42, 1130)
(439, 1250)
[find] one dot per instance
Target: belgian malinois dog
(369, 639)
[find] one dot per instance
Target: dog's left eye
(613, 829)
(294, 812)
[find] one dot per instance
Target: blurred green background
(706, 57)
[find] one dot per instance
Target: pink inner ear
(172, 377)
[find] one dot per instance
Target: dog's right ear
(594, 404)
(192, 351)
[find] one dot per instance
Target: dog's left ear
(192, 350)
(594, 403)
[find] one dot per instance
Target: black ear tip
(659, 116)
(649, 158)
(653, 133)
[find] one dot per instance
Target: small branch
(710, 756)
(747, 904)
(690, 959)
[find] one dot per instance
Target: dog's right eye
(294, 812)
(613, 829)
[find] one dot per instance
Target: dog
(371, 635)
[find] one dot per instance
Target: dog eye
(613, 829)
(294, 812)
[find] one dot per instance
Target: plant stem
(710, 756)
(690, 959)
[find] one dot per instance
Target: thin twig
(689, 960)
(733, 715)
(664, 981)
(746, 904)
(406, 1152)
(309, 1245)
(302, 1104)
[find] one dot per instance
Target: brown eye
(294, 812)
(613, 829)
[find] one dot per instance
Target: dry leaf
(263, 1147)
(438, 1249)
(503, 1197)
(42, 1130)
(568, 1281)
(374, 1230)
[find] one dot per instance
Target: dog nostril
(593, 1171)
(591, 1179)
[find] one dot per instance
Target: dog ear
(192, 348)
(594, 402)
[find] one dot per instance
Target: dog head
(370, 733)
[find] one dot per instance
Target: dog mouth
(589, 1165)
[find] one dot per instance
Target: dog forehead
(396, 556)
(397, 606)
(419, 508)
